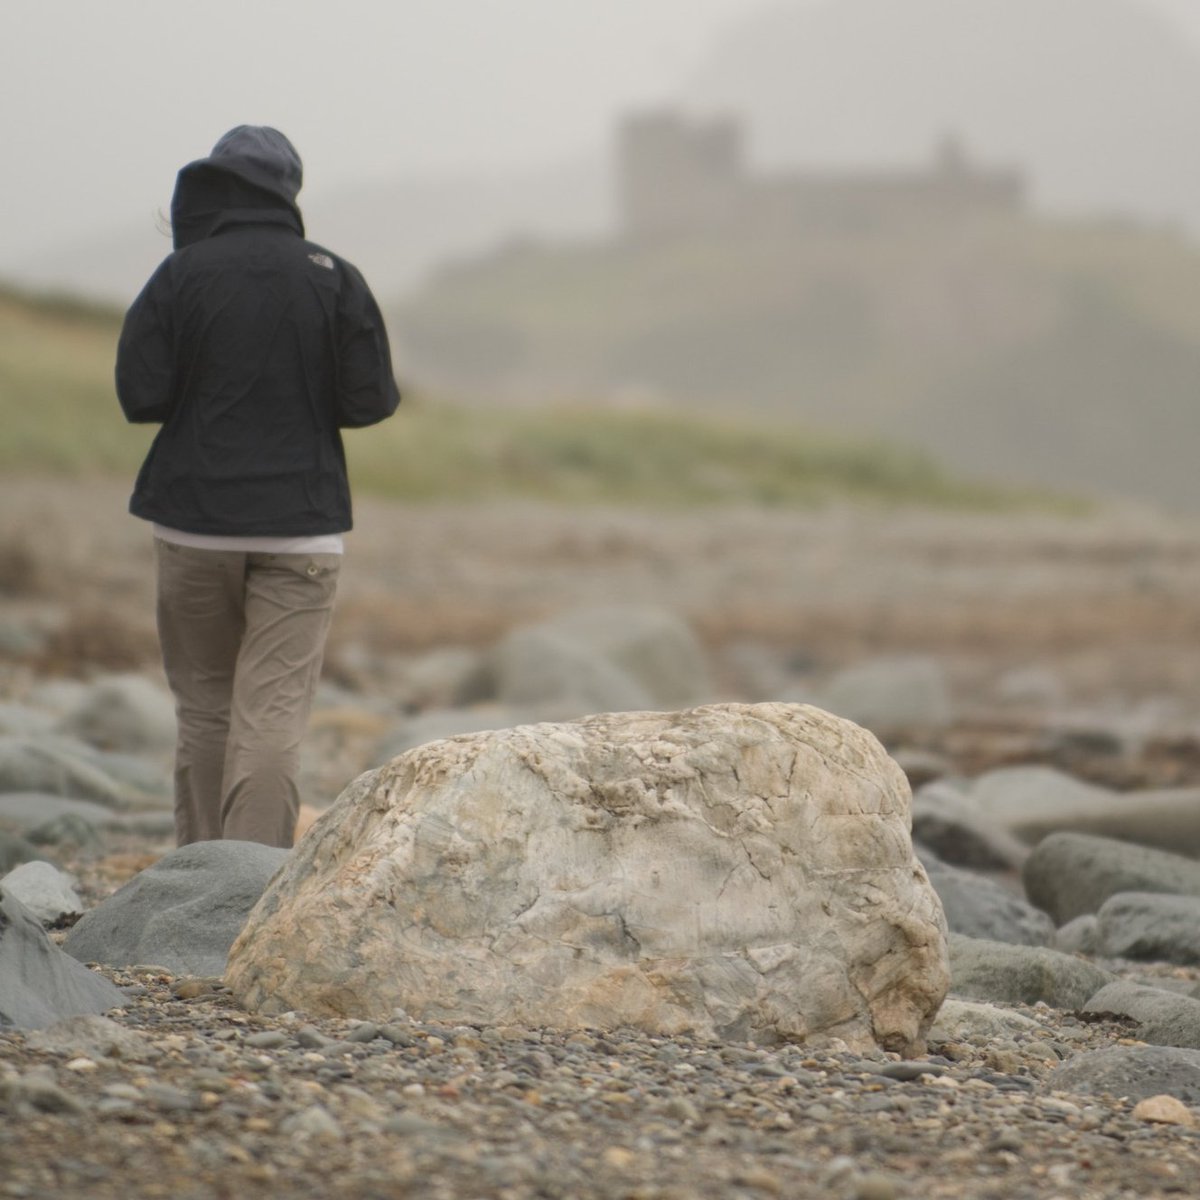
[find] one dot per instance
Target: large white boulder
(740, 871)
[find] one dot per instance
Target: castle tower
(674, 175)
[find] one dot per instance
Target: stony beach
(1060, 642)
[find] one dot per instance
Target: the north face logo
(322, 260)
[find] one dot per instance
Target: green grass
(58, 413)
(589, 455)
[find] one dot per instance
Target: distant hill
(396, 230)
(1060, 354)
(59, 415)
(1098, 100)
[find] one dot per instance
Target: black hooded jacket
(253, 347)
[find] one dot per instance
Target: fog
(103, 103)
(968, 224)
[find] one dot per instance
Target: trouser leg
(288, 608)
(200, 625)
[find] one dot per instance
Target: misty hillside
(1055, 354)
(395, 229)
(59, 415)
(1098, 100)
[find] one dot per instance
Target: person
(253, 348)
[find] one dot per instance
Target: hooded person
(252, 348)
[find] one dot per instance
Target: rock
(1163, 1110)
(547, 672)
(1164, 1018)
(23, 721)
(25, 811)
(738, 871)
(1032, 686)
(958, 832)
(996, 971)
(1028, 801)
(1133, 1071)
(1148, 925)
(885, 694)
(183, 912)
(446, 677)
(59, 766)
(150, 779)
(16, 850)
(970, 1021)
(921, 766)
(67, 829)
(39, 984)
(45, 891)
(1079, 936)
(57, 695)
(437, 724)
(980, 908)
(1069, 874)
(91, 1036)
(123, 712)
(653, 646)
(1034, 802)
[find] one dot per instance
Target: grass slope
(1064, 354)
(58, 413)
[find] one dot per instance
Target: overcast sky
(103, 100)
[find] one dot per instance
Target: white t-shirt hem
(324, 543)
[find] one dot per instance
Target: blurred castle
(675, 176)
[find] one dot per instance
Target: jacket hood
(252, 174)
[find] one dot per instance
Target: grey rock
(1033, 802)
(980, 908)
(437, 724)
(1149, 925)
(1132, 1071)
(316, 1121)
(998, 972)
(1079, 936)
(892, 693)
(92, 1036)
(446, 677)
(15, 850)
(1069, 874)
(59, 766)
(961, 833)
(1024, 797)
(1028, 687)
(150, 779)
(67, 829)
(653, 646)
(268, 1039)
(547, 671)
(123, 712)
(39, 984)
(24, 721)
(184, 912)
(26, 811)
(57, 695)
(1164, 1018)
(971, 1021)
(46, 892)
(42, 1093)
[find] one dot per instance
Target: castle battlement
(676, 175)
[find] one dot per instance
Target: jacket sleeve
(366, 388)
(145, 357)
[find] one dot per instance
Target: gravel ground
(202, 1100)
(207, 1101)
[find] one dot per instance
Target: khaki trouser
(242, 639)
